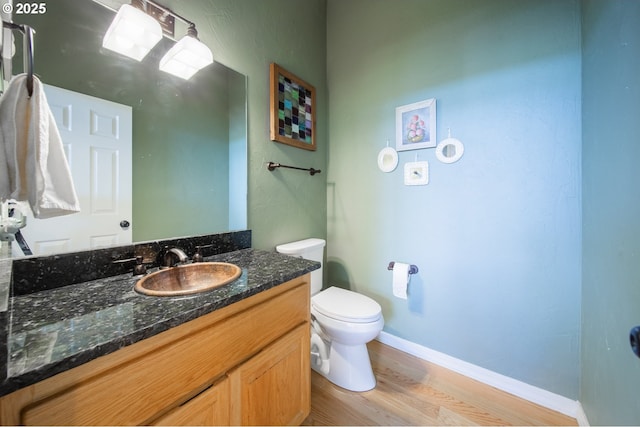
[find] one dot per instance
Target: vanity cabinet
(247, 363)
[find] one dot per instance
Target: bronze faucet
(174, 254)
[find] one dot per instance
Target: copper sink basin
(188, 279)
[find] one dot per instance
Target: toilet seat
(346, 306)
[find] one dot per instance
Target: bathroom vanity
(236, 355)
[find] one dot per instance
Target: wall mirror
(387, 159)
(449, 150)
(189, 149)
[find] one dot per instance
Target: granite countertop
(51, 331)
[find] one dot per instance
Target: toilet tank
(312, 249)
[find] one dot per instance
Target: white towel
(33, 166)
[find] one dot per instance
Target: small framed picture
(292, 110)
(416, 125)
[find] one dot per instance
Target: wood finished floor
(411, 391)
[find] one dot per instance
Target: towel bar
(273, 166)
(28, 47)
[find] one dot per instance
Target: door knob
(634, 339)
(124, 223)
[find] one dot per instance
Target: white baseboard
(582, 417)
(556, 402)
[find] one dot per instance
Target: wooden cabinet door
(209, 408)
(273, 387)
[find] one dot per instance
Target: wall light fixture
(132, 33)
(137, 28)
(187, 57)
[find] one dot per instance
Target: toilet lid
(348, 306)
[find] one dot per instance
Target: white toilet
(342, 323)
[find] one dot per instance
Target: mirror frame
(387, 151)
(442, 146)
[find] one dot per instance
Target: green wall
(611, 209)
(496, 236)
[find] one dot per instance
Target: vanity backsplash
(48, 272)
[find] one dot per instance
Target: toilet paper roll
(400, 279)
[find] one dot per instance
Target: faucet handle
(197, 256)
(138, 269)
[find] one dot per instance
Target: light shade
(132, 33)
(186, 58)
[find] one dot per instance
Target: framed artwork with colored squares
(293, 109)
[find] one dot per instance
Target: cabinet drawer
(135, 391)
(209, 408)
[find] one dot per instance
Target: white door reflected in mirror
(98, 141)
(387, 159)
(449, 150)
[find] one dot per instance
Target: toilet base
(350, 367)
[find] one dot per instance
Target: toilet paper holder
(413, 269)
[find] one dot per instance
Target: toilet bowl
(343, 322)
(349, 320)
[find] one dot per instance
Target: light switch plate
(416, 173)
